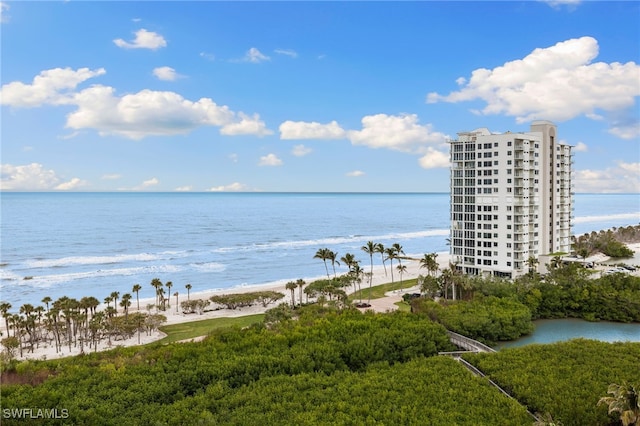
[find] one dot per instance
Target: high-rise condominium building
(511, 199)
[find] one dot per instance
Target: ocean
(91, 244)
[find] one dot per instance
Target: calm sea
(91, 244)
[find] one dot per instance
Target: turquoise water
(558, 330)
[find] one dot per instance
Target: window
(509, 143)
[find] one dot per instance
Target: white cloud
(134, 115)
(270, 160)
(623, 178)
(434, 159)
(186, 188)
(248, 125)
(287, 52)
(356, 173)
(150, 182)
(33, 177)
(556, 83)
(72, 184)
(234, 187)
(396, 132)
(233, 157)
(144, 40)
(166, 74)
(300, 150)
(253, 55)
(4, 8)
(580, 147)
(311, 130)
(556, 4)
(144, 113)
(52, 86)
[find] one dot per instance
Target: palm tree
(349, 259)
(176, 295)
(136, 289)
(4, 310)
(301, 283)
(188, 287)
(370, 249)
(331, 255)
(429, 263)
(626, 401)
(157, 284)
(114, 296)
(532, 262)
(401, 270)
(357, 273)
(291, 285)
(380, 249)
(125, 303)
(169, 284)
(323, 254)
(46, 300)
(391, 254)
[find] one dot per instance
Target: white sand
(380, 305)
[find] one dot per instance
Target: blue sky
(308, 96)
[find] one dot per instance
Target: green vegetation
(565, 379)
(609, 242)
(189, 330)
(487, 319)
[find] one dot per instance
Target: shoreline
(384, 304)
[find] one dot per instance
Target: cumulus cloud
(356, 173)
(234, 187)
(34, 177)
(580, 147)
(288, 52)
(622, 178)
(556, 83)
(270, 160)
(396, 132)
(434, 159)
(52, 86)
(254, 56)
(301, 150)
(134, 115)
(166, 74)
(186, 188)
(311, 130)
(247, 125)
(144, 40)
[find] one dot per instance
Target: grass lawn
(189, 330)
(378, 291)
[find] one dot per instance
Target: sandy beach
(173, 317)
(384, 304)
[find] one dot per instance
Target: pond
(557, 330)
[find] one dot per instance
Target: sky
(308, 96)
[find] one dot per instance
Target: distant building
(511, 199)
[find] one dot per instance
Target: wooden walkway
(471, 345)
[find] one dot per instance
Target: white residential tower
(511, 199)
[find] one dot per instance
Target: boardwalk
(470, 345)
